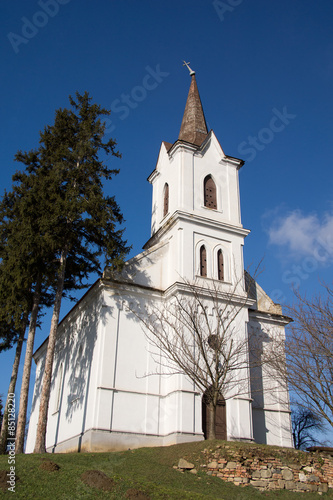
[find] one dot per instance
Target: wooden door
(220, 420)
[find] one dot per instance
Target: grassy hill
(145, 473)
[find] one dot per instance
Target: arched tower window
(203, 261)
(166, 200)
(220, 270)
(209, 192)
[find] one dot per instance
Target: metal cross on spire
(188, 67)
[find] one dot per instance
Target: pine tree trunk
(212, 418)
(22, 415)
(12, 384)
(40, 445)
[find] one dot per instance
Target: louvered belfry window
(203, 261)
(209, 192)
(166, 200)
(220, 270)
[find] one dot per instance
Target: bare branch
(309, 351)
(198, 331)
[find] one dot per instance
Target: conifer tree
(14, 307)
(20, 278)
(55, 226)
(77, 221)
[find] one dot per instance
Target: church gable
(263, 302)
(149, 268)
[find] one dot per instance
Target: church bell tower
(196, 203)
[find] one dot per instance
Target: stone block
(281, 484)
(303, 487)
(256, 474)
(231, 465)
(323, 487)
(183, 464)
(290, 485)
(212, 465)
(266, 473)
(296, 466)
(287, 475)
(302, 477)
(273, 486)
(313, 478)
(259, 484)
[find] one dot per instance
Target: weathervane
(188, 67)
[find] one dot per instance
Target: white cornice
(181, 145)
(195, 219)
(155, 173)
(267, 317)
(206, 291)
(233, 161)
(198, 219)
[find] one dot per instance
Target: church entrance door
(220, 420)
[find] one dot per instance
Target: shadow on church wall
(257, 339)
(74, 352)
(265, 390)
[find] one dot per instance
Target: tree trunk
(12, 384)
(212, 418)
(40, 445)
(22, 415)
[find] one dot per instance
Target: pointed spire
(193, 128)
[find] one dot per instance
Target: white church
(108, 391)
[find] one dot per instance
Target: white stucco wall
(113, 394)
(271, 410)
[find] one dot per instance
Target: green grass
(147, 469)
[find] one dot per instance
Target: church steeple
(193, 128)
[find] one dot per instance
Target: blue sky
(265, 76)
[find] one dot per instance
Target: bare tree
(304, 423)
(199, 331)
(309, 353)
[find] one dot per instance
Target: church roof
(168, 145)
(193, 128)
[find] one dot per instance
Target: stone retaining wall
(284, 469)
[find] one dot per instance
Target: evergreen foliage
(57, 226)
